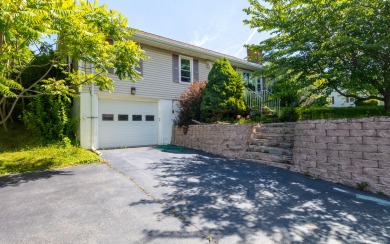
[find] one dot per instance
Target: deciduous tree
(332, 44)
(78, 31)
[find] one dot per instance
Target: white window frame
(191, 69)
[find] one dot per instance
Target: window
(349, 99)
(123, 117)
(140, 67)
(332, 99)
(149, 117)
(107, 117)
(185, 70)
(137, 117)
(246, 76)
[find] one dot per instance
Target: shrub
(189, 104)
(224, 93)
(336, 113)
(289, 114)
(369, 102)
(49, 117)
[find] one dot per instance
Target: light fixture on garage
(133, 90)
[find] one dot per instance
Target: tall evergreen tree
(224, 92)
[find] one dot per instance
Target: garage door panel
(127, 133)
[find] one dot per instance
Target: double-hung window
(185, 70)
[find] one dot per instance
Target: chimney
(254, 57)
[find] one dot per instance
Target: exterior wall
(157, 79)
(86, 120)
(347, 151)
(226, 140)
(166, 117)
(339, 100)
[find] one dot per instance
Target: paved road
(148, 196)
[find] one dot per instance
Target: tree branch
(357, 97)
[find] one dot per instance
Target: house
(143, 113)
(338, 100)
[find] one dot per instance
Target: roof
(190, 50)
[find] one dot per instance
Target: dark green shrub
(289, 114)
(224, 93)
(370, 102)
(49, 117)
(308, 113)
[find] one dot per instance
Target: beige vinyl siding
(157, 79)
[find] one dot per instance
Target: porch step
(272, 143)
(270, 150)
(284, 159)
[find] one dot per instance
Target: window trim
(191, 69)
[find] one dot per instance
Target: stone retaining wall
(227, 140)
(347, 151)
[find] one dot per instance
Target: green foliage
(49, 117)
(362, 186)
(370, 102)
(312, 113)
(189, 104)
(288, 94)
(224, 93)
(21, 152)
(288, 114)
(78, 29)
(319, 44)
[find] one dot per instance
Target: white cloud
(246, 42)
(200, 41)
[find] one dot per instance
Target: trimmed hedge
(312, 113)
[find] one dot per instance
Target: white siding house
(142, 113)
(337, 100)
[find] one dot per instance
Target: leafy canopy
(224, 92)
(77, 29)
(319, 45)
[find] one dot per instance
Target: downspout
(92, 117)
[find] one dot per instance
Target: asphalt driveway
(147, 196)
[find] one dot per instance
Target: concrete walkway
(148, 196)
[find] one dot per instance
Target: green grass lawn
(21, 152)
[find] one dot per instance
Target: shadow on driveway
(17, 179)
(242, 200)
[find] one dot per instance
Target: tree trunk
(2, 115)
(387, 102)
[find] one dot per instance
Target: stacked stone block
(347, 151)
(227, 140)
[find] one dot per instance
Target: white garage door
(125, 123)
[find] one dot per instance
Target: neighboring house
(337, 100)
(143, 113)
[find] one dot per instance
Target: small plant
(66, 142)
(362, 186)
(381, 193)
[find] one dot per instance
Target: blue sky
(213, 24)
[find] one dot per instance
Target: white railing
(260, 99)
